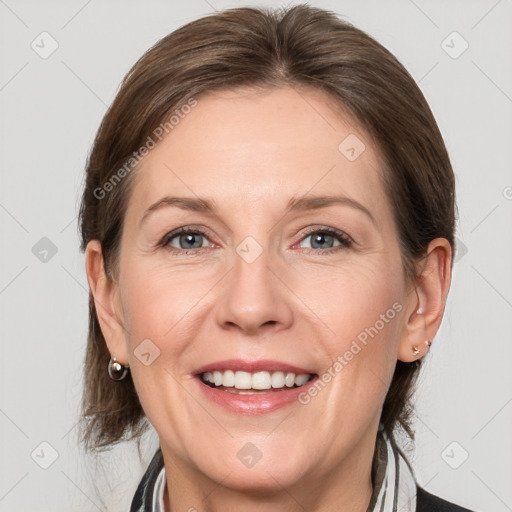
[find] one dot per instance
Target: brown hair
(300, 46)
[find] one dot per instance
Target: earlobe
(104, 292)
(425, 308)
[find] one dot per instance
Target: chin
(258, 481)
(249, 470)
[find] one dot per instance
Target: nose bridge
(253, 296)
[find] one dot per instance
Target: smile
(251, 383)
(253, 387)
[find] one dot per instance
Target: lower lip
(258, 403)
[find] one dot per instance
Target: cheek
(352, 300)
(157, 299)
(360, 308)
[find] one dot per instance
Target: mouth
(246, 383)
(253, 387)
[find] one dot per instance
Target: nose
(254, 299)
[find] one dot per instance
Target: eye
(186, 239)
(327, 240)
(191, 240)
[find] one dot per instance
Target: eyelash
(345, 241)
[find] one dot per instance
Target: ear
(105, 292)
(426, 302)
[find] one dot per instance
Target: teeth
(300, 380)
(261, 380)
(289, 380)
(217, 378)
(258, 380)
(278, 380)
(228, 379)
(243, 380)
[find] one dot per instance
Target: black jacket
(142, 501)
(426, 502)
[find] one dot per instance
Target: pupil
(190, 238)
(321, 238)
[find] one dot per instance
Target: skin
(250, 152)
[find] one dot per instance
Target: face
(288, 274)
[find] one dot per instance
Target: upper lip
(260, 365)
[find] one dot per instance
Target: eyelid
(183, 231)
(330, 230)
(345, 240)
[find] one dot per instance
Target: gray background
(51, 108)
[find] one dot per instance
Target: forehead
(251, 147)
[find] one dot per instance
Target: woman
(275, 371)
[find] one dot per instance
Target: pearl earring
(117, 371)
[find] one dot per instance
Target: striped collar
(394, 482)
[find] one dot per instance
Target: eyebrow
(184, 203)
(304, 203)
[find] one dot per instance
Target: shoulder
(426, 502)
